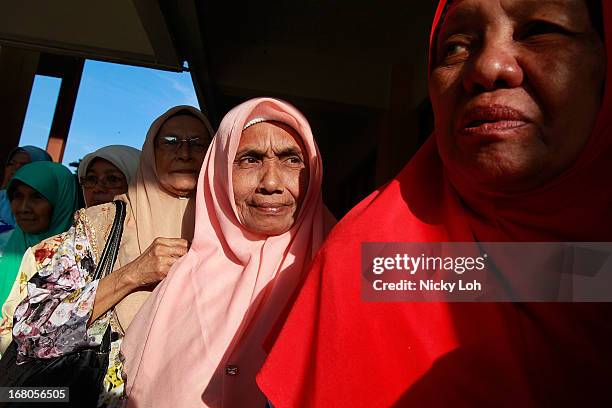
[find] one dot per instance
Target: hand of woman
(149, 268)
(154, 263)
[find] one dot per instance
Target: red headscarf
(336, 350)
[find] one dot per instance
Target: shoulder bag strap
(111, 248)
(108, 258)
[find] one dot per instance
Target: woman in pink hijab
(199, 340)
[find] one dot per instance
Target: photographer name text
(428, 285)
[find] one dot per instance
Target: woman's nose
(24, 206)
(271, 180)
(495, 66)
(184, 150)
(100, 187)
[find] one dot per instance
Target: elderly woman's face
(102, 182)
(32, 210)
(269, 177)
(180, 147)
(515, 86)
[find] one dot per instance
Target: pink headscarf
(198, 340)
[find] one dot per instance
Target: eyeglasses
(173, 143)
(106, 182)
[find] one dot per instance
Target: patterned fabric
(52, 320)
(18, 292)
(58, 185)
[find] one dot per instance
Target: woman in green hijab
(43, 197)
(17, 158)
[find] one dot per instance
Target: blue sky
(115, 105)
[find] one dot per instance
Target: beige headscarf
(125, 158)
(152, 212)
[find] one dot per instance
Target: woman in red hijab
(521, 152)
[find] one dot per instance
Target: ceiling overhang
(129, 32)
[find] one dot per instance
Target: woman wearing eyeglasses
(106, 173)
(158, 227)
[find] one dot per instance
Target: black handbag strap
(108, 258)
(111, 249)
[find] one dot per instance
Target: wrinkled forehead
(263, 125)
(279, 135)
(275, 117)
(184, 122)
(270, 111)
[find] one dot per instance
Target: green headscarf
(58, 185)
(36, 154)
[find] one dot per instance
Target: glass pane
(117, 103)
(41, 107)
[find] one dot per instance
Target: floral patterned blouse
(52, 319)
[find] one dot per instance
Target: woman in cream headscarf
(199, 340)
(158, 225)
(107, 172)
